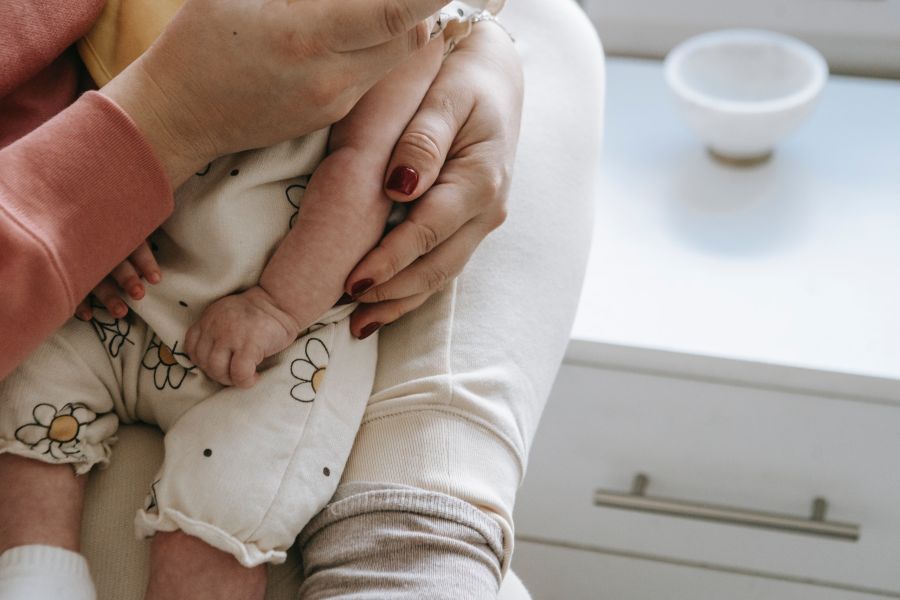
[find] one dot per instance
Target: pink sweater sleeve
(77, 195)
(33, 33)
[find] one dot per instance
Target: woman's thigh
(462, 381)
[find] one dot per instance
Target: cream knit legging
(461, 382)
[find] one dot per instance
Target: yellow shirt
(123, 31)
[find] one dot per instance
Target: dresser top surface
(795, 262)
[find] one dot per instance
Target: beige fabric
(509, 320)
(461, 382)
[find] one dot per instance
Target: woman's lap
(472, 368)
(462, 381)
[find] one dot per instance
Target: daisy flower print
(55, 431)
(310, 371)
(163, 362)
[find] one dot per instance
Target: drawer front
(552, 573)
(725, 445)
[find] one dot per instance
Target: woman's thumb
(421, 151)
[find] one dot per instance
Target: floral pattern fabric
(310, 371)
(56, 432)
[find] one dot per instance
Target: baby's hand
(235, 333)
(124, 278)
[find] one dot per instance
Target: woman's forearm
(76, 196)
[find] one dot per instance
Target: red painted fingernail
(403, 180)
(136, 292)
(153, 277)
(369, 330)
(345, 299)
(361, 287)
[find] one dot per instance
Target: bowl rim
(810, 56)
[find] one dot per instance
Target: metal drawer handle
(814, 525)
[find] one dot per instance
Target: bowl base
(740, 161)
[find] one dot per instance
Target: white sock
(44, 573)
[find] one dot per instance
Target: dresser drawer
(552, 573)
(730, 445)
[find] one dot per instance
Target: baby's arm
(342, 216)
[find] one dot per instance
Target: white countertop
(793, 263)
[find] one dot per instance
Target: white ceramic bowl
(742, 90)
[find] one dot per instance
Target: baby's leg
(56, 417)
(40, 526)
(40, 503)
(185, 567)
(245, 469)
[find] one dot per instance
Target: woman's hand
(455, 158)
(228, 75)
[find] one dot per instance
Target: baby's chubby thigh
(246, 469)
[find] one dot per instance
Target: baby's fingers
(83, 310)
(243, 367)
(128, 279)
(218, 364)
(107, 292)
(145, 263)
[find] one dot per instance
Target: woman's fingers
(439, 214)
(460, 147)
(404, 293)
(359, 24)
(369, 318)
(375, 62)
(418, 159)
(433, 271)
(421, 151)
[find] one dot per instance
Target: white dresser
(738, 345)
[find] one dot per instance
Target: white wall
(856, 36)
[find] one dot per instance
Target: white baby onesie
(244, 469)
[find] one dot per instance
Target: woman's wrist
(487, 17)
(180, 147)
(495, 43)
